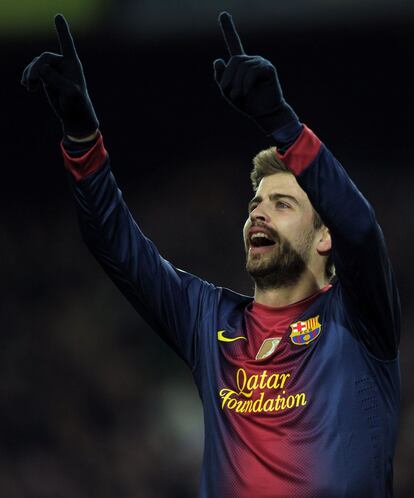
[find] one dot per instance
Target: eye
(280, 203)
(251, 207)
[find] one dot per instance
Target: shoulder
(229, 299)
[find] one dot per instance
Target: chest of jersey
(262, 360)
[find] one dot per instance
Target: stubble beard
(282, 266)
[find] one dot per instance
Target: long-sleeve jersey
(301, 400)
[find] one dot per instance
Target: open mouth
(260, 239)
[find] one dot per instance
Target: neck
(283, 296)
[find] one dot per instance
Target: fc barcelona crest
(305, 331)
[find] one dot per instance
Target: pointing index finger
(67, 46)
(230, 34)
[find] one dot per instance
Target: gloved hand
(250, 83)
(64, 83)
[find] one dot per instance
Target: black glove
(64, 82)
(250, 83)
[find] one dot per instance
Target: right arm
(169, 299)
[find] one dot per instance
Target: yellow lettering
(284, 379)
(280, 403)
(262, 379)
(225, 395)
(269, 405)
(252, 383)
(241, 380)
(273, 382)
(247, 385)
(257, 405)
(290, 401)
(239, 407)
(249, 405)
(231, 404)
(301, 397)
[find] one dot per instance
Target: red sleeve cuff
(301, 154)
(91, 161)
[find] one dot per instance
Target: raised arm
(251, 85)
(169, 299)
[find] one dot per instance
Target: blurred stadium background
(92, 403)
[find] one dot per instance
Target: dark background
(92, 403)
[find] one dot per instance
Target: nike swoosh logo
(221, 337)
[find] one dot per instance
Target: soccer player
(300, 383)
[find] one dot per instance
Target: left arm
(359, 250)
(251, 85)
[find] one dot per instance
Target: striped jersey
(300, 400)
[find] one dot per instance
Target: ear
(324, 244)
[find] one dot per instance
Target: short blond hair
(266, 163)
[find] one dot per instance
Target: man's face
(279, 234)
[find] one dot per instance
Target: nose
(259, 214)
